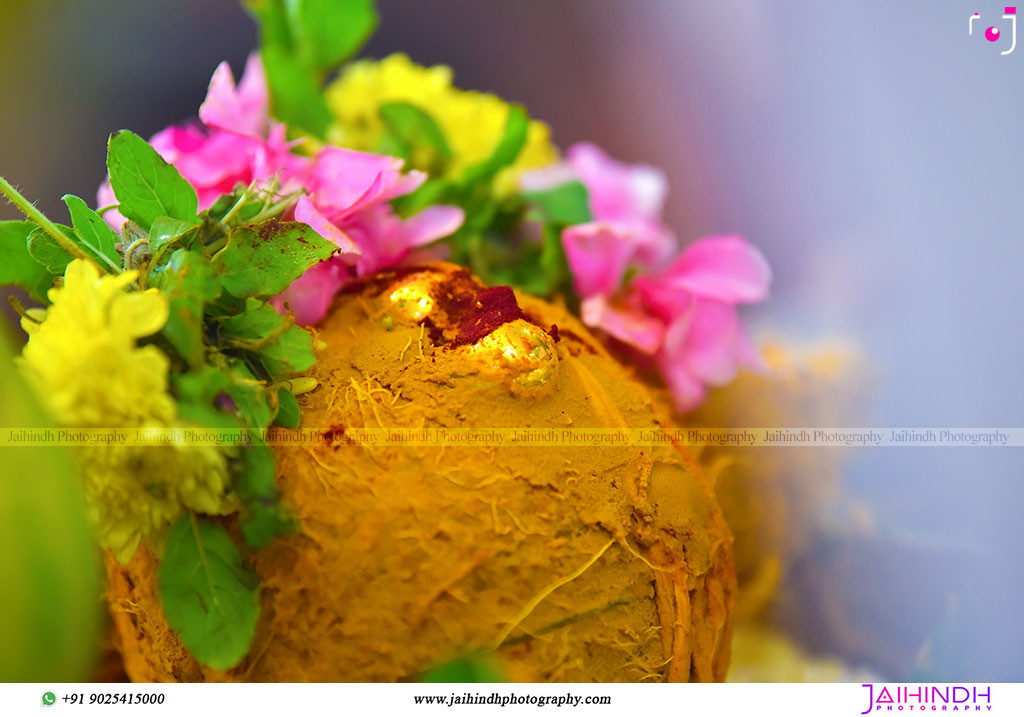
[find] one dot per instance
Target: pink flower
(345, 181)
(682, 317)
(618, 192)
(693, 302)
(598, 255)
(347, 192)
(384, 239)
(349, 195)
(309, 296)
(726, 269)
(624, 200)
(369, 240)
(213, 163)
(233, 148)
(244, 109)
(628, 322)
(348, 204)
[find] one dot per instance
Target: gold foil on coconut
(520, 354)
(414, 298)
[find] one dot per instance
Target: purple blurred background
(870, 148)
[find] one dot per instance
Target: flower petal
(221, 156)
(242, 109)
(598, 255)
(306, 213)
(311, 294)
(431, 224)
(705, 339)
(618, 192)
(541, 180)
(344, 181)
(630, 326)
(687, 391)
(385, 239)
(139, 314)
(105, 198)
(173, 142)
(726, 268)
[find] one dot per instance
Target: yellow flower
(471, 121)
(84, 361)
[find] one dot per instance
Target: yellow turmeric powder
(570, 563)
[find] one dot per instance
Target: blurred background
(870, 149)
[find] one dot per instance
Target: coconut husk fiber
(565, 563)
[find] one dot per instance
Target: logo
(49, 698)
(928, 698)
(992, 34)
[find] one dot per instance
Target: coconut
(567, 562)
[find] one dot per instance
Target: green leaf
(251, 399)
(225, 305)
(17, 266)
(481, 212)
(464, 669)
(257, 322)
(225, 397)
(283, 348)
(414, 127)
(391, 146)
(566, 204)
(550, 271)
(505, 152)
(301, 40)
(198, 392)
(189, 283)
(262, 523)
(289, 354)
(262, 260)
(295, 95)
(327, 32)
(145, 185)
(275, 25)
(93, 234)
(44, 249)
(210, 597)
(433, 191)
(166, 233)
(255, 480)
(288, 413)
(553, 262)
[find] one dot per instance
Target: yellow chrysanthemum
(472, 121)
(84, 362)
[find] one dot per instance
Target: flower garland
(183, 300)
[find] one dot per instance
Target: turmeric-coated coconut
(575, 562)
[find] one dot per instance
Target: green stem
(21, 310)
(30, 211)
(226, 219)
(274, 209)
(215, 246)
(271, 192)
